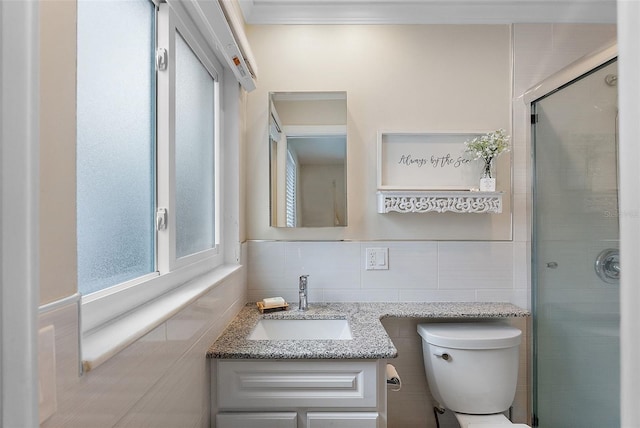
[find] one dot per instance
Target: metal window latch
(161, 59)
(161, 219)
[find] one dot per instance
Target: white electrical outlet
(47, 372)
(377, 259)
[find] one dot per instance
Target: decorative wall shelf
(422, 172)
(424, 201)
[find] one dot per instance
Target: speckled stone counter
(370, 340)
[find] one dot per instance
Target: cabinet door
(288, 384)
(342, 420)
(257, 420)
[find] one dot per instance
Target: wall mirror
(308, 159)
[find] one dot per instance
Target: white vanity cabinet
(299, 393)
(257, 420)
(343, 419)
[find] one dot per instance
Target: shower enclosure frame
(548, 86)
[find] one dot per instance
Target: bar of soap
(273, 301)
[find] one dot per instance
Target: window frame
(101, 307)
(169, 24)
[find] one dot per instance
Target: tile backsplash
(418, 271)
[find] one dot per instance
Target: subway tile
(495, 295)
(521, 262)
(522, 297)
(265, 256)
(328, 264)
(266, 282)
(360, 295)
(324, 278)
(521, 217)
(288, 294)
(257, 295)
(437, 295)
(475, 265)
(314, 256)
(411, 265)
(180, 398)
(266, 264)
(110, 394)
(65, 321)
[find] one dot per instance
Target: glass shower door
(576, 311)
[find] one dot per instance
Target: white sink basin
(301, 330)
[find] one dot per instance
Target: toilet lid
(471, 335)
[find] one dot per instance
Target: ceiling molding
(428, 11)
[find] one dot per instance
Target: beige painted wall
(316, 112)
(418, 78)
(58, 264)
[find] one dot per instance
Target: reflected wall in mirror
(308, 159)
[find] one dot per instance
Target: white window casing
(168, 24)
(115, 317)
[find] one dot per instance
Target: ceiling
(427, 11)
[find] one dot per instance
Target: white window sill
(101, 344)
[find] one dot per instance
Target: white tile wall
(160, 381)
(475, 265)
(418, 271)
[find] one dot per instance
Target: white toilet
(472, 370)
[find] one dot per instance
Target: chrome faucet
(303, 305)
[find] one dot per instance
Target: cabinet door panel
(342, 419)
(257, 420)
(290, 384)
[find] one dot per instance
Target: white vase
(487, 184)
(488, 181)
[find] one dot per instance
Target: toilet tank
(471, 367)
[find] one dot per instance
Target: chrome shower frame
(548, 86)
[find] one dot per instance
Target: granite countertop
(370, 339)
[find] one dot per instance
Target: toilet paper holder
(393, 378)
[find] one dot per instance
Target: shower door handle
(552, 265)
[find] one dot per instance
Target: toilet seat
(497, 420)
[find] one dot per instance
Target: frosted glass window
(115, 142)
(195, 138)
